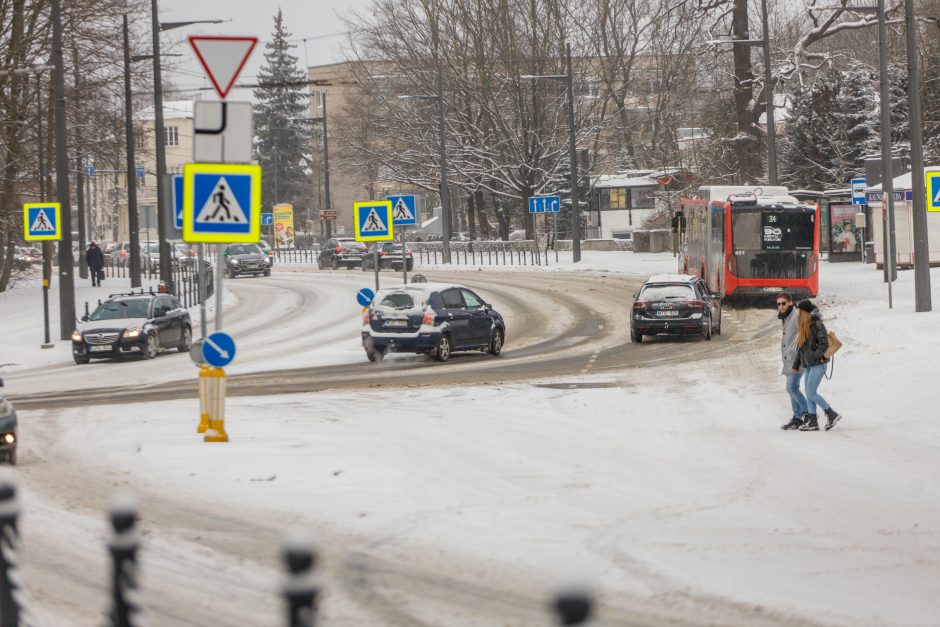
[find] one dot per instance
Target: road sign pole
(404, 258)
(201, 266)
(376, 258)
(219, 274)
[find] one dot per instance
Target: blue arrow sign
(267, 219)
(403, 210)
(364, 296)
(178, 199)
(219, 349)
(544, 204)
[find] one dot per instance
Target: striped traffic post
(10, 580)
(573, 607)
(125, 608)
(300, 590)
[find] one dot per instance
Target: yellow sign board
(42, 221)
(283, 225)
(222, 203)
(933, 190)
(373, 221)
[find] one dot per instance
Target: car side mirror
(86, 318)
(635, 295)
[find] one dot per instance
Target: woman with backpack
(812, 340)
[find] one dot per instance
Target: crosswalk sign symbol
(373, 221)
(41, 221)
(403, 210)
(933, 190)
(221, 203)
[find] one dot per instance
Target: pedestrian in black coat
(95, 260)
(812, 340)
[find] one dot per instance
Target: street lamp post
(442, 156)
(327, 201)
(133, 225)
(166, 275)
(572, 152)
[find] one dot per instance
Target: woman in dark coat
(95, 259)
(812, 341)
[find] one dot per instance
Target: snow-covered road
(669, 489)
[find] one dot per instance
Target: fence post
(572, 607)
(300, 590)
(125, 608)
(10, 580)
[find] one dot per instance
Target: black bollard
(301, 589)
(10, 592)
(572, 607)
(125, 609)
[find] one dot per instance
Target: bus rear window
(773, 230)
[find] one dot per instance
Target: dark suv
(390, 256)
(341, 251)
(133, 324)
(675, 304)
(431, 318)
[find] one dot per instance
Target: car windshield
(154, 248)
(243, 249)
(667, 292)
(397, 300)
(115, 310)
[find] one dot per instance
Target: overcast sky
(317, 22)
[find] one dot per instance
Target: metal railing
(488, 252)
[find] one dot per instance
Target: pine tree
(859, 109)
(283, 137)
(900, 109)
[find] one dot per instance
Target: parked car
(390, 256)
(150, 256)
(432, 318)
(246, 259)
(8, 434)
(675, 304)
(24, 257)
(341, 251)
(133, 324)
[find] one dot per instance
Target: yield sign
(223, 58)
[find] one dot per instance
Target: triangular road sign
(223, 58)
(222, 207)
(42, 223)
(373, 223)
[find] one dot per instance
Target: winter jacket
(813, 352)
(788, 348)
(94, 257)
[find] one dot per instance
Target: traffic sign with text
(327, 214)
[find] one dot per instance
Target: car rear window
(667, 292)
(397, 300)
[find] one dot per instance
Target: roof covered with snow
(172, 110)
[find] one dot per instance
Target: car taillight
(382, 254)
(339, 250)
(365, 317)
(428, 318)
(696, 303)
(640, 305)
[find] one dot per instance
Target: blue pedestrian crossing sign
(221, 203)
(544, 204)
(178, 200)
(267, 219)
(933, 190)
(219, 349)
(364, 296)
(403, 210)
(41, 221)
(373, 221)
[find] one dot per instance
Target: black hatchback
(675, 304)
(432, 318)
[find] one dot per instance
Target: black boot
(832, 418)
(810, 423)
(794, 423)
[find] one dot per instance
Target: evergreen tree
(859, 111)
(930, 97)
(900, 109)
(283, 137)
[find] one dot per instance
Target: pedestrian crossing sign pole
(222, 203)
(373, 221)
(41, 221)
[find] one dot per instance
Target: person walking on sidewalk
(95, 259)
(789, 316)
(812, 341)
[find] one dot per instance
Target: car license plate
(99, 349)
(667, 313)
(396, 323)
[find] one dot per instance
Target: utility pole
(165, 268)
(887, 178)
(573, 157)
(133, 224)
(922, 300)
(769, 97)
(327, 201)
(445, 190)
(66, 276)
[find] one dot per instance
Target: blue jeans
(813, 377)
(797, 400)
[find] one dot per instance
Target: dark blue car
(432, 318)
(7, 430)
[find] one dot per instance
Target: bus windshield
(769, 230)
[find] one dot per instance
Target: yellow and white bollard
(212, 404)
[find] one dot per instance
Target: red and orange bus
(751, 241)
